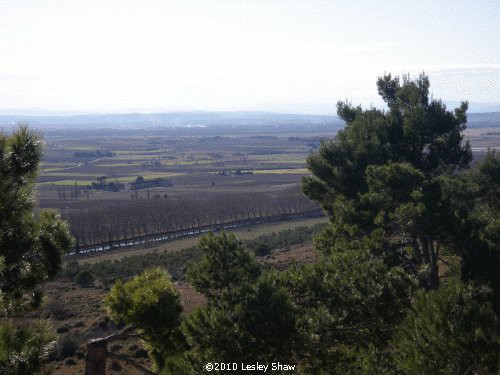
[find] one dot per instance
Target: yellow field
(57, 163)
(146, 176)
(68, 182)
(69, 174)
(81, 148)
(194, 162)
(280, 171)
(124, 152)
(45, 170)
(294, 161)
(118, 164)
(278, 157)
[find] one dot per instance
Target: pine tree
(380, 179)
(31, 245)
(31, 249)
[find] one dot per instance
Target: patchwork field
(115, 179)
(118, 187)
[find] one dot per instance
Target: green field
(194, 162)
(68, 182)
(110, 165)
(47, 171)
(82, 148)
(69, 175)
(70, 178)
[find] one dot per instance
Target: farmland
(115, 187)
(188, 176)
(295, 187)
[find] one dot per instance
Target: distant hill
(481, 120)
(196, 119)
(173, 119)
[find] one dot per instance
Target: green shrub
(63, 328)
(24, 348)
(67, 345)
(262, 249)
(84, 278)
(152, 303)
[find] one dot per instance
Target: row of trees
(407, 281)
(145, 218)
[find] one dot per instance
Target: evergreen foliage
(31, 249)
(315, 315)
(31, 246)
(387, 180)
(151, 302)
(453, 330)
(23, 348)
(401, 200)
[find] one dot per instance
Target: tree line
(108, 271)
(136, 219)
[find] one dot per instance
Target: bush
(84, 278)
(57, 311)
(262, 249)
(67, 346)
(63, 329)
(72, 268)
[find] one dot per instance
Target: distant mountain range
(172, 119)
(196, 119)
(480, 120)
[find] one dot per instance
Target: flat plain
(116, 186)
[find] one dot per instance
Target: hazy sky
(292, 56)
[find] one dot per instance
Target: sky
(282, 56)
